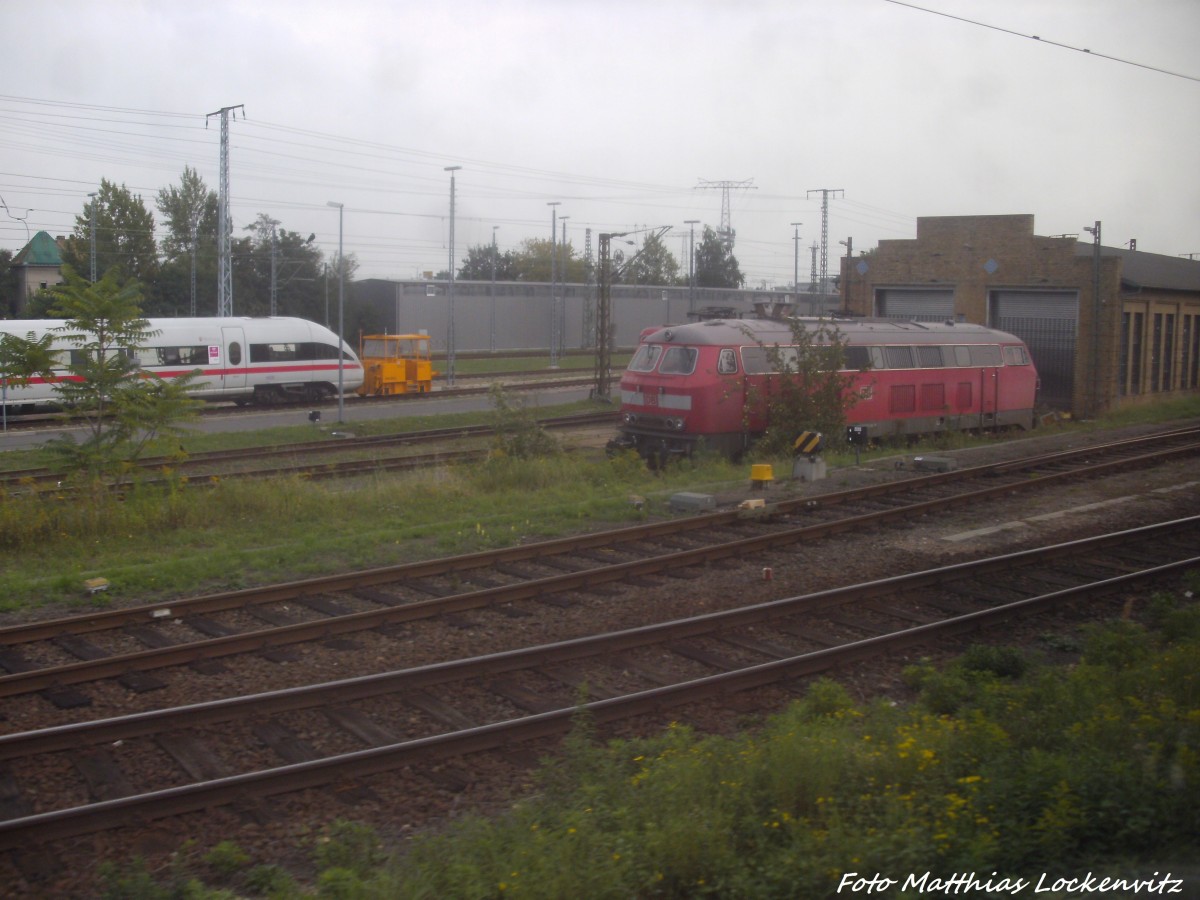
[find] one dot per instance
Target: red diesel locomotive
(703, 384)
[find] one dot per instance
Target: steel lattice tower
(825, 192)
(726, 232)
(224, 219)
(589, 296)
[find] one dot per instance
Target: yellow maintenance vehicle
(395, 364)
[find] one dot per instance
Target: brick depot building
(1106, 326)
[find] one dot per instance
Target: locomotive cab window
(1015, 356)
(678, 361)
(727, 362)
(646, 357)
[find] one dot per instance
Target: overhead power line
(1040, 39)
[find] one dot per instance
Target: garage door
(1048, 322)
(915, 304)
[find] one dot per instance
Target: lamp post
(1094, 231)
(848, 243)
(796, 260)
(692, 264)
(553, 283)
(450, 326)
(495, 252)
(562, 300)
(341, 309)
(93, 230)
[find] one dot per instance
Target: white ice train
(266, 361)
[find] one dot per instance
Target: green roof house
(38, 266)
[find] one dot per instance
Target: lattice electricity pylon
(726, 233)
(224, 220)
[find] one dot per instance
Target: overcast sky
(624, 111)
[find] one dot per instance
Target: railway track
(480, 384)
(54, 657)
(127, 770)
(376, 453)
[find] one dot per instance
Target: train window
(985, 355)
(929, 357)
(181, 356)
(857, 358)
(646, 357)
(755, 361)
(727, 362)
(877, 360)
(899, 357)
(678, 361)
(962, 355)
(235, 353)
(1015, 356)
(81, 357)
(261, 353)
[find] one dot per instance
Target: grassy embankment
(161, 542)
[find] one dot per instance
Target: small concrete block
(805, 469)
(689, 502)
(934, 464)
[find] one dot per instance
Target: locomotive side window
(1015, 356)
(899, 357)
(678, 361)
(645, 358)
(929, 357)
(877, 359)
(727, 362)
(858, 358)
(985, 355)
(962, 356)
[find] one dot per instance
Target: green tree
(124, 236)
(22, 359)
(653, 264)
(532, 262)
(124, 409)
(480, 260)
(715, 264)
(808, 391)
(189, 213)
(9, 286)
(274, 256)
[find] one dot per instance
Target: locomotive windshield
(678, 361)
(672, 361)
(645, 358)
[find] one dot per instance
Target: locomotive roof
(853, 331)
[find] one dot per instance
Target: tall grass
(228, 534)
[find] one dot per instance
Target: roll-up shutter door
(1048, 322)
(915, 304)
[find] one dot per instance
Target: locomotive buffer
(807, 464)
